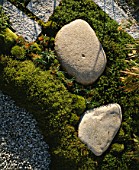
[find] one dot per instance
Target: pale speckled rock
(99, 126)
(80, 51)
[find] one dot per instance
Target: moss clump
(53, 106)
(34, 47)
(7, 41)
(18, 52)
(116, 147)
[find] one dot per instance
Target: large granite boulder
(99, 126)
(80, 51)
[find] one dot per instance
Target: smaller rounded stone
(99, 126)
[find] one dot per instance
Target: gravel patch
(21, 144)
(21, 23)
(43, 9)
(112, 9)
(120, 16)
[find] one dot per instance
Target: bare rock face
(80, 51)
(99, 126)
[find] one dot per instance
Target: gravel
(120, 16)
(21, 23)
(21, 144)
(43, 9)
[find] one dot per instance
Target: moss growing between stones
(53, 106)
(58, 111)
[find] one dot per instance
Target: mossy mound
(18, 52)
(44, 95)
(58, 108)
(7, 41)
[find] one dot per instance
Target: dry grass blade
(131, 78)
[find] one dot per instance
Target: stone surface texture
(22, 146)
(43, 9)
(99, 126)
(21, 23)
(80, 51)
(120, 16)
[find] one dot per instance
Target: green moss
(4, 20)
(57, 110)
(34, 48)
(18, 52)
(7, 41)
(53, 106)
(108, 88)
(116, 147)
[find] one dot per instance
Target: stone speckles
(43, 9)
(99, 126)
(80, 51)
(21, 144)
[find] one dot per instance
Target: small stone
(80, 51)
(99, 126)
